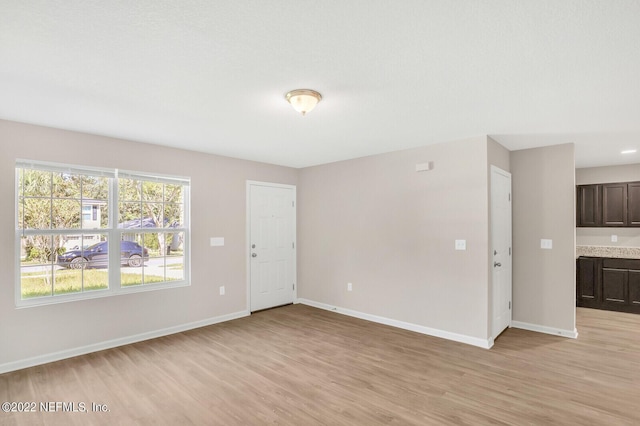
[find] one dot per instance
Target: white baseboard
(544, 329)
(482, 343)
(57, 356)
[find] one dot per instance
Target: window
(84, 232)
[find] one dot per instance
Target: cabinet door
(588, 282)
(614, 204)
(589, 205)
(633, 193)
(615, 288)
(634, 290)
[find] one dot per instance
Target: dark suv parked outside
(131, 254)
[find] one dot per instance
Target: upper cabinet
(614, 204)
(609, 204)
(633, 200)
(589, 205)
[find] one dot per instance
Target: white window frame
(114, 234)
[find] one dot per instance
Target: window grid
(150, 260)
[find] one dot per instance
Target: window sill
(98, 294)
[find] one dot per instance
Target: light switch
(424, 167)
(461, 244)
(216, 241)
(546, 244)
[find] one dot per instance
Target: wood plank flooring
(297, 365)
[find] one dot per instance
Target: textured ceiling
(210, 75)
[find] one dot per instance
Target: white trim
(501, 171)
(65, 168)
(270, 184)
(474, 341)
(544, 329)
(248, 242)
(69, 353)
(294, 260)
(504, 173)
(112, 232)
(96, 294)
(153, 177)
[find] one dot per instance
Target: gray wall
(390, 231)
(543, 182)
(608, 174)
(497, 155)
(627, 237)
(373, 221)
(217, 209)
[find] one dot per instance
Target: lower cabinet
(606, 283)
(589, 282)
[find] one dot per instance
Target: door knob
(254, 255)
(498, 264)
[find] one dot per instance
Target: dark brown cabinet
(614, 284)
(588, 282)
(606, 283)
(614, 204)
(608, 204)
(589, 205)
(633, 200)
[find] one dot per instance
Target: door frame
(294, 262)
(507, 174)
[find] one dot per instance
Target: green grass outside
(175, 266)
(30, 274)
(70, 281)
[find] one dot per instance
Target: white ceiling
(210, 75)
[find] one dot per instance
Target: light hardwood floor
(303, 366)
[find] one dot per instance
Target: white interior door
(271, 245)
(501, 249)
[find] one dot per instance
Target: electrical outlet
(614, 238)
(461, 244)
(349, 287)
(221, 290)
(546, 244)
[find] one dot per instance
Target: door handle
(498, 264)
(254, 255)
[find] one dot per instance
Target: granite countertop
(608, 251)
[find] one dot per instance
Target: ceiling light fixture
(629, 151)
(303, 100)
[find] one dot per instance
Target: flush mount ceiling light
(629, 151)
(303, 100)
